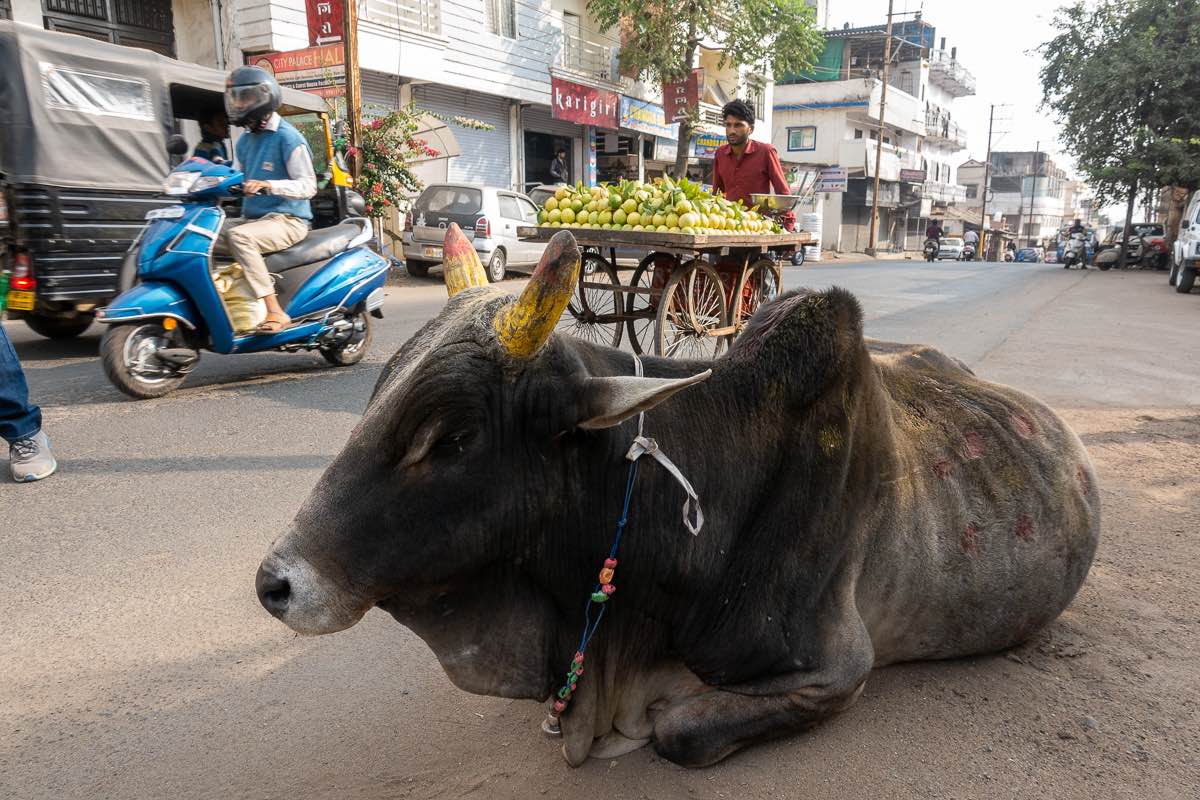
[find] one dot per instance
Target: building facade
(1028, 195)
(830, 116)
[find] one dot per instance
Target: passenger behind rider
(279, 180)
(214, 130)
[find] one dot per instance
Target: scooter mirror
(176, 145)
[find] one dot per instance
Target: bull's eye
(452, 444)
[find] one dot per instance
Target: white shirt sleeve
(302, 182)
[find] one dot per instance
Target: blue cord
(589, 627)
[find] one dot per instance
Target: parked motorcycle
(330, 284)
(1074, 253)
(932, 246)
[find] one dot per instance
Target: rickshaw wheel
(642, 308)
(580, 318)
(760, 283)
(694, 303)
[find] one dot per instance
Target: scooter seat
(317, 246)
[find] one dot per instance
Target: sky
(995, 43)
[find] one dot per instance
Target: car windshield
(450, 200)
(1152, 229)
(539, 196)
(952, 242)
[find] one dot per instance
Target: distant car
(1051, 257)
(1186, 257)
(539, 194)
(950, 248)
(487, 215)
(1031, 254)
(1151, 234)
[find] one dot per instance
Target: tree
(660, 40)
(1120, 77)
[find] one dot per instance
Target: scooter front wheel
(127, 353)
(352, 352)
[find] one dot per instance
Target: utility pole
(1033, 189)
(987, 173)
(887, 57)
(353, 82)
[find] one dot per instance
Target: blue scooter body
(173, 268)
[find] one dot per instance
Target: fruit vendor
(744, 167)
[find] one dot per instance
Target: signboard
(646, 117)
(665, 149)
(912, 175)
(832, 179)
(682, 98)
(318, 70)
(586, 105)
(324, 22)
(705, 144)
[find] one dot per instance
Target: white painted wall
(27, 11)
(194, 40)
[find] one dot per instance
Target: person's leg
(249, 241)
(29, 453)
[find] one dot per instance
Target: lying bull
(865, 504)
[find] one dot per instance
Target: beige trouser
(248, 240)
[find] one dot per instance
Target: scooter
(932, 246)
(1074, 253)
(968, 252)
(330, 284)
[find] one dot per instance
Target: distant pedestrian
(559, 172)
(29, 455)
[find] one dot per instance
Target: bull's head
(457, 496)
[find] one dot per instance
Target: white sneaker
(30, 458)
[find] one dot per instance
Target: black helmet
(251, 95)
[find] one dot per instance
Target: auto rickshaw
(83, 153)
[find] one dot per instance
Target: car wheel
(496, 267)
(60, 327)
(418, 269)
(1173, 275)
(1186, 280)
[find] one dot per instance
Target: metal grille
(136, 23)
(5, 9)
(155, 16)
(422, 16)
(93, 9)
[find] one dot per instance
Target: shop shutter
(380, 93)
(486, 156)
(537, 118)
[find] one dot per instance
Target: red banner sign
(585, 105)
(319, 70)
(324, 22)
(682, 98)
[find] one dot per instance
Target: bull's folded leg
(705, 728)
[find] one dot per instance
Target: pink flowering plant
(390, 148)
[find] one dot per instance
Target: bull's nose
(274, 592)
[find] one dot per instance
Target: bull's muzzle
(303, 598)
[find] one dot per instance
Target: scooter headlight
(207, 182)
(180, 183)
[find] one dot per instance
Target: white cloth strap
(645, 446)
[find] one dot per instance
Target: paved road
(137, 663)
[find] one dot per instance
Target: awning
(437, 134)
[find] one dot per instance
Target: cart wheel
(641, 307)
(694, 305)
(760, 283)
(595, 311)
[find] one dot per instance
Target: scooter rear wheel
(352, 352)
(127, 355)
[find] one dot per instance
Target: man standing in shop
(559, 173)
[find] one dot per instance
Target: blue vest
(263, 157)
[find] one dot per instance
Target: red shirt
(758, 171)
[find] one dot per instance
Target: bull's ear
(611, 401)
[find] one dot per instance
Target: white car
(951, 248)
(1185, 258)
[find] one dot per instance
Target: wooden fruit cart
(689, 295)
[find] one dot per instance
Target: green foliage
(659, 39)
(1120, 76)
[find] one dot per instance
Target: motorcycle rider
(279, 180)
(971, 239)
(933, 233)
(1076, 227)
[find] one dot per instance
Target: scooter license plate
(20, 301)
(432, 252)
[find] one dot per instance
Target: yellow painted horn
(460, 262)
(526, 324)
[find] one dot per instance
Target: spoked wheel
(759, 284)
(641, 306)
(128, 355)
(595, 311)
(692, 316)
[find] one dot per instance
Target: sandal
(274, 323)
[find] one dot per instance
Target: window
(92, 93)
(804, 138)
(857, 133)
(450, 200)
(528, 210)
(887, 140)
(972, 191)
(874, 135)
(502, 17)
(509, 208)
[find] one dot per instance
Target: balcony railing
(940, 129)
(587, 58)
(945, 71)
(945, 192)
(420, 16)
